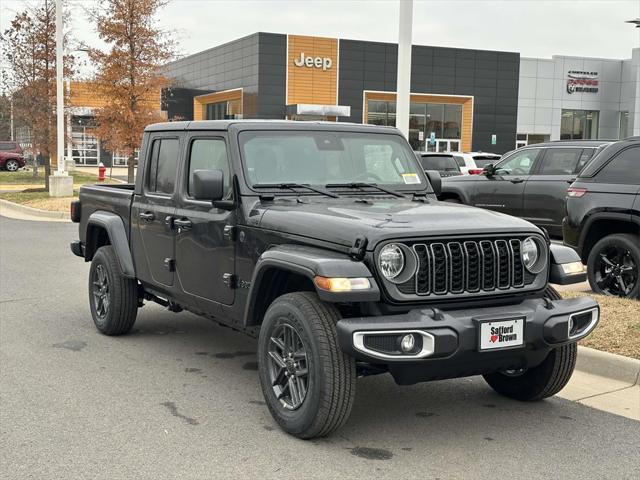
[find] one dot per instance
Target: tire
(119, 314)
(329, 383)
(615, 274)
(543, 381)
(12, 165)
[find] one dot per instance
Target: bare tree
(29, 46)
(128, 73)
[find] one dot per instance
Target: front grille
(470, 266)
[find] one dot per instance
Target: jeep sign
(318, 62)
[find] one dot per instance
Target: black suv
(530, 182)
(603, 219)
(326, 241)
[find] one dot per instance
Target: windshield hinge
(359, 248)
(420, 198)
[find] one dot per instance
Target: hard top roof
(265, 125)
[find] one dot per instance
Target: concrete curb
(32, 212)
(608, 365)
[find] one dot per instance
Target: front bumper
(452, 337)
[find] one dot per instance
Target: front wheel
(308, 383)
(543, 381)
(613, 266)
(536, 383)
(12, 165)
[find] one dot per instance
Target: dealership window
(229, 109)
(444, 120)
(85, 147)
(579, 124)
(624, 125)
(120, 158)
(524, 139)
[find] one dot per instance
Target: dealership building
(461, 99)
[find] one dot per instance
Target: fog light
(407, 343)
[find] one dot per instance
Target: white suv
(472, 163)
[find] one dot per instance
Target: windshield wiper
(293, 186)
(364, 184)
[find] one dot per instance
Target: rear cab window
(163, 164)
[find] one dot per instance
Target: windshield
(442, 163)
(321, 158)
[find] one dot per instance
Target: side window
(459, 160)
(208, 154)
(520, 163)
(586, 155)
(624, 168)
(164, 161)
(560, 161)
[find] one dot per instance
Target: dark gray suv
(530, 182)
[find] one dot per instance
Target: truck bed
(107, 198)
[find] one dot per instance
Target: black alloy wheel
(100, 291)
(288, 367)
(614, 266)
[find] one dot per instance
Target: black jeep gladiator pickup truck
(326, 241)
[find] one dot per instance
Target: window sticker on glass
(410, 178)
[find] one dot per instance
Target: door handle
(147, 216)
(516, 180)
(182, 225)
(571, 180)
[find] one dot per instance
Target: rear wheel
(112, 296)
(613, 266)
(12, 165)
(308, 383)
(543, 381)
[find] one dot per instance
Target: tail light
(475, 171)
(75, 211)
(576, 192)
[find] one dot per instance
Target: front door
(546, 190)
(152, 212)
(504, 191)
(205, 254)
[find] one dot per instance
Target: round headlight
(391, 261)
(530, 253)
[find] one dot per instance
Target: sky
(535, 28)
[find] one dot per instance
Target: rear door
(504, 191)
(152, 211)
(205, 254)
(545, 191)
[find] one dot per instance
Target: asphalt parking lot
(179, 398)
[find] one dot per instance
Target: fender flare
(114, 226)
(452, 189)
(598, 216)
(310, 262)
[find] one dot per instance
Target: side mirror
(208, 185)
(489, 170)
(435, 180)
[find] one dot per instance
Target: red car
(11, 157)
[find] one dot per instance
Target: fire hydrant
(102, 170)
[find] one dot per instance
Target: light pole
(59, 87)
(60, 184)
(403, 99)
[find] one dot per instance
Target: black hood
(342, 220)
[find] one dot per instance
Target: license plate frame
(484, 334)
